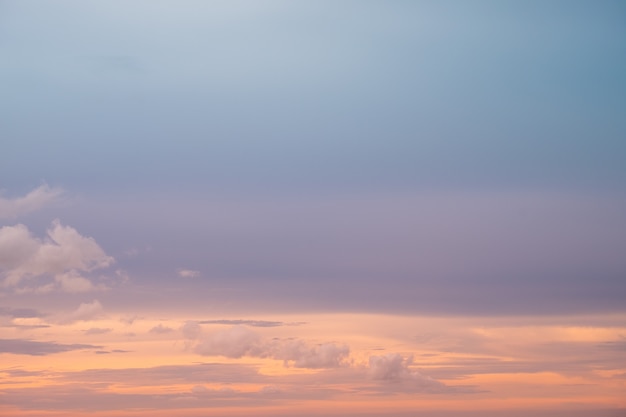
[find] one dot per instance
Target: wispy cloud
(20, 312)
(97, 330)
(34, 348)
(251, 323)
(161, 329)
(35, 200)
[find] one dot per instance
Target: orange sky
(430, 364)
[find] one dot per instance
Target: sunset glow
(312, 208)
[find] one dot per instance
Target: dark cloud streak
(34, 348)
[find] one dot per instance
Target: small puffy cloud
(85, 312)
(238, 341)
(394, 367)
(302, 355)
(33, 201)
(389, 367)
(234, 342)
(64, 254)
(160, 329)
(188, 273)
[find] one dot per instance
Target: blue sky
(414, 179)
(278, 131)
(229, 97)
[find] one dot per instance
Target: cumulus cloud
(33, 201)
(188, 273)
(302, 355)
(394, 367)
(238, 341)
(64, 254)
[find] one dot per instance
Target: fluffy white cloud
(238, 341)
(33, 201)
(64, 254)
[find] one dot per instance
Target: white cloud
(85, 312)
(238, 341)
(188, 273)
(33, 201)
(64, 254)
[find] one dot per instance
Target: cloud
(33, 348)
(160, 329)
(238, 341)
(85, 311)
(97, 330)
(33, 201)
(191, 330)
(252, 323)
(64, 254)
(233, 342)
(188, 273)
(396, 368)
(302, 355)
(20, 312)
(72, 282)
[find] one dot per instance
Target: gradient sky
(281, 208)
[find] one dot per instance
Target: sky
(314, 208)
